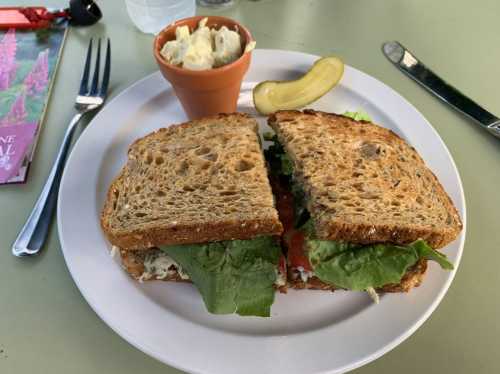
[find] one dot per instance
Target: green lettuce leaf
(269, 136)
(282, 166)
(358, 116)
(425, 251)
(308, 228)
(357, 267)
(301, 214)
(286, 165)
(278, 160)
(235, 276)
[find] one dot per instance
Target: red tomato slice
(293, 239)
(296, 254)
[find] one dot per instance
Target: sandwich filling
(220, 263)
(234, 276)
(335, 263)
(159, 265)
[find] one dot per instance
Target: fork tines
(84, 85)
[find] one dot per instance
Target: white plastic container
(151, 16)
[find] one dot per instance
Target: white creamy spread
(160, 265)
(280, 279)
(205, 48)
(373, 294)
(114, 251)
(227, 46)
(250, 46)
(304, 274)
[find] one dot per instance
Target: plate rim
(353, 365)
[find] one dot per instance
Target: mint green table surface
(47, 327)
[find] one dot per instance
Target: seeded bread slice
(196, 182)
(364, 183)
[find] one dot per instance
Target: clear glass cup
(151, 16)
(217, 3)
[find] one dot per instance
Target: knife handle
(416, 70)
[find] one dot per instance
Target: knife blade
(405, 61)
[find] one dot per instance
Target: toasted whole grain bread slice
(195, 182)
(364, 183)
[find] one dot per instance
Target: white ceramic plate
(309, 331)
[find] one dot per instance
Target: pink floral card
(28, 61)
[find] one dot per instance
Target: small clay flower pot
(206, 92)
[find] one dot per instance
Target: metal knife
(405, 61)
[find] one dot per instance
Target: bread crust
(259, 217)
(319, 175)
(187, 234)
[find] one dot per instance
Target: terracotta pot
(206, 92)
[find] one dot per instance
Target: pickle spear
(270, 96)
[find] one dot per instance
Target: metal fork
(34, 232)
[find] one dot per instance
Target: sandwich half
(194, 203)
(360, 209)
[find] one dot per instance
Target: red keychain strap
(27, 17)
